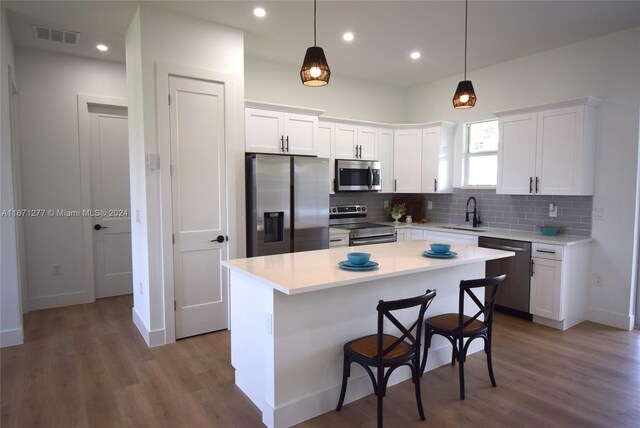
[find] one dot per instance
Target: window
(481, 154)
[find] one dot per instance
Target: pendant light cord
(314, 25)
(466, 7)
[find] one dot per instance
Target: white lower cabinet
(450, 238)
(401, 234)
(559, 284)
(546, 283)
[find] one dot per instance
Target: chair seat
(449, 322)
(367, 347)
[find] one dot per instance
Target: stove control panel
(348, 211)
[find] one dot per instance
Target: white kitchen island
(291, 314)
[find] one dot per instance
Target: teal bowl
(549, 230)
(440, 248)
(358, 258)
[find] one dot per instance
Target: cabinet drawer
(546, 251)
(338, 241)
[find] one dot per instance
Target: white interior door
(110, 200)
(199, 205)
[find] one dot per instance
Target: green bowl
(549, 230)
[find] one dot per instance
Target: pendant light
(465, 96)
(315, 70)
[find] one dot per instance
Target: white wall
(344, 97)
(50, 84)
(10, 301)
(157, 36)
(607, 67)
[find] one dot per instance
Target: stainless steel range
(361, 232)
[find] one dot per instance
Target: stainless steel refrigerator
(287, 204)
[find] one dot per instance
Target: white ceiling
(385, 31)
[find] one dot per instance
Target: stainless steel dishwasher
(513, 294)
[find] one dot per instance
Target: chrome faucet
(476, 220)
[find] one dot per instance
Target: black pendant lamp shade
(315, 69)
(465, 96)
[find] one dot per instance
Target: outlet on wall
(597, 280)
(57, 269)
(385, 204)
(429, 205)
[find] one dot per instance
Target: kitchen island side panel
(310, 329)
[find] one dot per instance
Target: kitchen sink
(463, 227)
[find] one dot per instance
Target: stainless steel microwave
(357, 176)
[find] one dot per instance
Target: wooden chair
(386, 351)
(457, 326)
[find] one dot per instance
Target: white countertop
(296, 273)
(564, 240)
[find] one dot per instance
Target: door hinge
(175, 306)
(173, 238)
(169, 99)
(171, 170)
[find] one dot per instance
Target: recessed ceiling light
(348, 36)
(102, 48)
(259, 12)
(415, 55)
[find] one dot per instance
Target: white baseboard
(612, 319)
(59, 300)
(11, 337)
(153, 338)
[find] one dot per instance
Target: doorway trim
(234, 192)
(84, 140)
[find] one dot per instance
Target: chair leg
(453, 354)
(380, 391)
(490, 362)
(461, 357)
(427, 345)
(346, 372)
(416, 381)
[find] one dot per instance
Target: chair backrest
(485, 308)
(384, 311)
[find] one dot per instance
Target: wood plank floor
(87, 365)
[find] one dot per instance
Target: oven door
(353, 175)
(372, 240)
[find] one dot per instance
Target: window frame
(466, 156)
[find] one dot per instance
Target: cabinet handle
(360, 151)
(435, 185)
(532, 267)
(282, 143)
(287, 144)
(537, 181)
(530, 184)
(395, 184)
(336, 240)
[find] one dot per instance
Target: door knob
(220, 239)
(98, 227)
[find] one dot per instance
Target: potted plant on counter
(396, 211)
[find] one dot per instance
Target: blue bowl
(358, 258)
(440, 248)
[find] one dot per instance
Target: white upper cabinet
(264, 131)
(548, 150)
(407, 160)
(437, 158)
(385, 156)
(346, 141)
(301, 134)
(326, 143)
(367, 143)
(356, 142)
(285, 131)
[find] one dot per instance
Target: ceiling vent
(59, 36)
